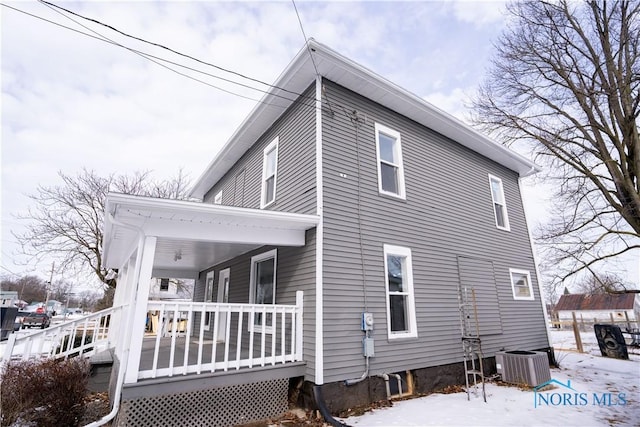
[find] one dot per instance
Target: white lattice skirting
(224, 406)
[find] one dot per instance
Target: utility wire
(169, 49)
(148, 56)
(302, 98)
(313, 61)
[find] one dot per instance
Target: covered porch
(149, 238)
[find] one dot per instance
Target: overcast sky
(71, 101)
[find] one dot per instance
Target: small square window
(164, 285)
(521, 284)
(390, 169)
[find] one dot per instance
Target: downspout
(317, 395)
(125, 360)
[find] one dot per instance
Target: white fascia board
(117, 204)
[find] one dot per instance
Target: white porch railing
(237, 337)
(85, 336)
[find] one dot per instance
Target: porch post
(138, 306)
(119, 298)
(299, 325)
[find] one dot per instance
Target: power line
(301, 97)
(170, 49)
(313, 61)
(149, 57)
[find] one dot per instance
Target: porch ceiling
(192, 236)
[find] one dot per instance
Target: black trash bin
(8, 316)
(611, 341)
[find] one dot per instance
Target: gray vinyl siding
(447, 216)
(295, 271)
(295, 182)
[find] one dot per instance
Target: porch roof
(192, 236)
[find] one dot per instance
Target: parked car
(38, 320)
(17, 323)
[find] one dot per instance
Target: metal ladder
(471, 345)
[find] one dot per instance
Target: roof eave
(344, 71)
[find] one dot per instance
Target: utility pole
(50, 282)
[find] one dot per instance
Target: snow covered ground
(605, 392)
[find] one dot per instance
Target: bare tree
(564, 84)
(29, 288)
(66, 221)
(605, 284)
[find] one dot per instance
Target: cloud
(479, 12)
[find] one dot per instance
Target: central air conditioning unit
(523, 367)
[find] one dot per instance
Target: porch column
(119, 298)
(138, 306)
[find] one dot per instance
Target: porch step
(101, 366)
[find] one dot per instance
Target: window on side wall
(269, 174)
(499, 203)
(164, 285)
(521, 284)
(263, 286)
(208, 297)
(401, 315)
(390, 170)
(217, 200)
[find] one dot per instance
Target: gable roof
(595, 302)
(301, 72)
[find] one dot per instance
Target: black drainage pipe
(317, 395)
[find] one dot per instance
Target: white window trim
(411, 309)
(273, 145)
(513, 285)
(217, 199)
(252, 287)
(502, 202)
(208, 297)
(394, 134)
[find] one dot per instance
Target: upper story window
(269, 173)
(401, 314)
(521, 284)
(164, 285)
(217, 200)
(263, 285)
(499, 203)
(390, 170)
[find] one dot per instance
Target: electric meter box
(367, 321)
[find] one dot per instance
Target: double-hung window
(499, 203)
(263, 286)
(269, 173)
(401, 314)
(390, 170)
(521, 284)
